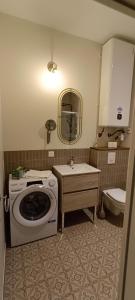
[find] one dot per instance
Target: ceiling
(84, 18)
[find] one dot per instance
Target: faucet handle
(71, 161)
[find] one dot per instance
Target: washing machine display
(33, 209)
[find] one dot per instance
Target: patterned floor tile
(38, 291)
(106, 289)
(81, 264)
(70, 260)
(33, 274)
(78, 279)
(52, 267)
(59, 286)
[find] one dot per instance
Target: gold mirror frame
(65, 91)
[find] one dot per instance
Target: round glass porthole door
(34, 206)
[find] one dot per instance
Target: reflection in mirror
(70, 116)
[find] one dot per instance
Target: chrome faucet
(71, 163)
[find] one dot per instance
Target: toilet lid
(117, 194)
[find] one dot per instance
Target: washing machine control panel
(16, 186)
(52, 182)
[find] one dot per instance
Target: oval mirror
(70, 116)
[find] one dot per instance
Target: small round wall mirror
(70, 116)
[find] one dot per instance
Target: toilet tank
(116, 83)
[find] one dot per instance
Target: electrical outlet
(50, 153)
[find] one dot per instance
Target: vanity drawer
(79, 200)
(80, 182)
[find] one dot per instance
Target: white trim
(28, 223)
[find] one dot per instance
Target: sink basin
(75, 169)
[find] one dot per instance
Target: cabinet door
(81, 182)
(116, 83)
(79, 200)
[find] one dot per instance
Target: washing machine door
(34, 206)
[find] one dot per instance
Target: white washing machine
(33, 207)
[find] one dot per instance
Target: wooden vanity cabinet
(77, 192)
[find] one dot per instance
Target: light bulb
(51, 80)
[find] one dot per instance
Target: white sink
(75, 169)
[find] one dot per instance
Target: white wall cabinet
(116, 83)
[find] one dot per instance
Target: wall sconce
(52, 67)
(52, 78)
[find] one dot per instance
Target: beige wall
(27, 102)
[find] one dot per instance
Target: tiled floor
(81, 264)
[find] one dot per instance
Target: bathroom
(82, 261)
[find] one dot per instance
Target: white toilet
(114, 200)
